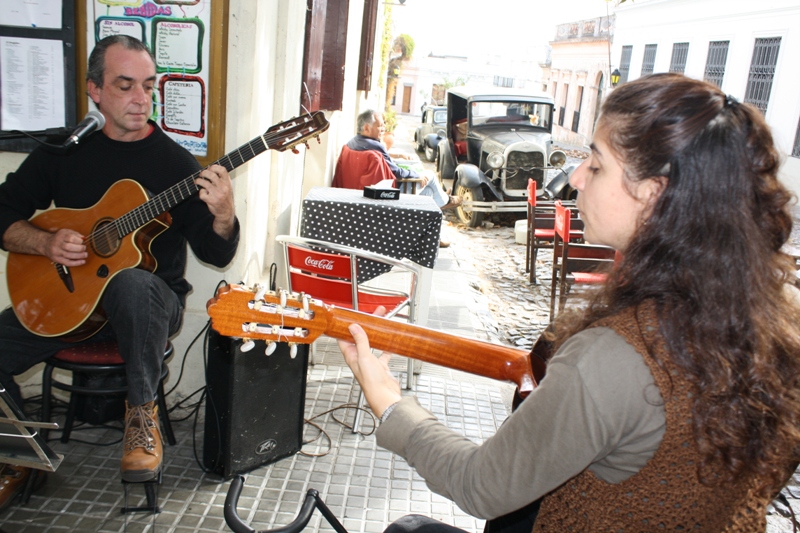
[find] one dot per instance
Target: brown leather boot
(141, 452)
(12, 482)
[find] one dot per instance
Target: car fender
(558, 186)
(470, 176)
(432, 140)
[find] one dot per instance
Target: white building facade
(750, 49)
(576, 73)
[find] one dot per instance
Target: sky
(464, 27)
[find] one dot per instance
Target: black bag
(104, 408)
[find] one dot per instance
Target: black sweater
(79, 179)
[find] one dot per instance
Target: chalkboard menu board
(37, 70)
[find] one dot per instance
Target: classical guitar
(52, 300)
(238, 311)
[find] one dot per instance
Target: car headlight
(558, 158)
(495, 160)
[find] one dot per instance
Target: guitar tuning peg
(295, 151)
(271, 347)
(247, 345)
(292, 351)
(307, 146)
(319, 141)
(261, 290)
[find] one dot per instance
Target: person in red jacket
(371, 126)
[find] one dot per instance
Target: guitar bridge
(66, 277)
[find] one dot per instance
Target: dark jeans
(142, 312)
(415, 523)
(519, 521)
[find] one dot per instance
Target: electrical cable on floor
(322, 432)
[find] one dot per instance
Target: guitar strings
(142, 214)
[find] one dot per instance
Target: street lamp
(615, 77)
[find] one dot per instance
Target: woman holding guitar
(672, 399)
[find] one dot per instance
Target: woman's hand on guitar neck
(66, 247)
(380, 388)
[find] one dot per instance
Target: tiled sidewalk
(365, 487)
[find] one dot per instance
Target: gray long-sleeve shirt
(598, 407)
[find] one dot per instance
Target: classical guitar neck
(431, 346)
(237, 311)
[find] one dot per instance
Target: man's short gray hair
(365, 118)
(97, 59)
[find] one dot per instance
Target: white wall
(664, 22)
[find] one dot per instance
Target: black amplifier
(254, 405)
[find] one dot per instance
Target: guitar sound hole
(104, 241)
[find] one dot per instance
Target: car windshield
(499, 112)
(440, 117)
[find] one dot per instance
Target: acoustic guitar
(238, 311)
(52, 300)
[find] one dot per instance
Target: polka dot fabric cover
(405, 228)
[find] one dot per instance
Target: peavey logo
(387, 194)
(322, 264)
(265, 447)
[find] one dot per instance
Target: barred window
(796, 149)
(503, 81)
(649, 61)
(715, 62)
(762, 71)
(625, 63)
(680, 51)
(576, 115)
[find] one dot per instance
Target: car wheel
(430, 153)
(473, 219)
(420, 142)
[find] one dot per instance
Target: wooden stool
(96, 359)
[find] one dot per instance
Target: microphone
(94, 120)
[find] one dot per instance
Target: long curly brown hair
(709, 255)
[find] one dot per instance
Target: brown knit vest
(666, 493)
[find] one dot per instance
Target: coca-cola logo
(322, 264)
(387, 194)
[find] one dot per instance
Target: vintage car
(495, 140)
(434, 118)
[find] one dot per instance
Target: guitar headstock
(259, 314)
(290, 133)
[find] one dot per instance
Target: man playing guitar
(143, 308)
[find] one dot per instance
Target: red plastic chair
(575, 263)
(329, 272)
(541, 232)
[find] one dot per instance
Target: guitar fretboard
(166, 200)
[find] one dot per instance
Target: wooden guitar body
(43, 302)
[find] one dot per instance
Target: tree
(402, 50)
